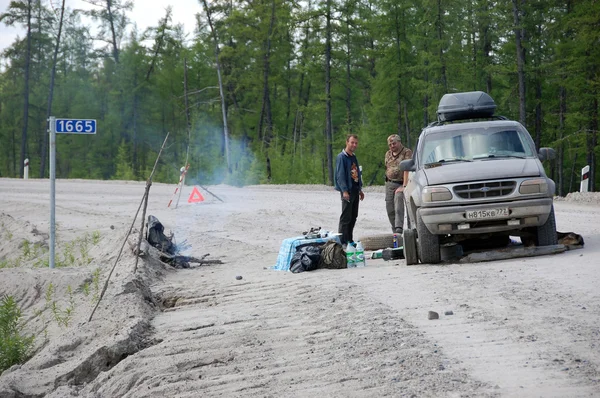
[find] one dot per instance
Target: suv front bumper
(453, 219)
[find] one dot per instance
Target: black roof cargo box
(460, 106)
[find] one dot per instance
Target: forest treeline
(265, 91)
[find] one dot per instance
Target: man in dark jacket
(348, 180)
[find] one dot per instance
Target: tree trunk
(397, 31)
(302, 99)
(426, 96)
(188, 119)
(298, 116)
(134, 156)
(159, 43)
(561, 132)
(51, 91)
(487, 49)
(538, 113)
(407, 128)
(288, 102)
(239, 112)
(473, 38)
(592, 141)
(111, 21)
(440, 33)
(372, 58)
(519, 36)
(26, 92)
(348, 77)
(265, 112)
(328, 121)
(221, 91)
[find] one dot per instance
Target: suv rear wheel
(428, 244)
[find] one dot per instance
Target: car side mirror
(407, 165)
(546, 154)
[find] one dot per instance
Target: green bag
(333, 256)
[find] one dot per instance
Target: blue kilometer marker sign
(76, 126)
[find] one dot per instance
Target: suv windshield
(465, 145)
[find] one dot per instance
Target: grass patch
(96, 284)
(68, 254)
(15, 348)
(96, 237)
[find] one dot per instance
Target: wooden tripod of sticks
(180, 185)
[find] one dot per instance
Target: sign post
(62, 126)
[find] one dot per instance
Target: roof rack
(462, 106)
(473, 119)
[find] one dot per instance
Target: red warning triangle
(196, 196)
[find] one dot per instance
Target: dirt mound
(581, 197)
(57, 304)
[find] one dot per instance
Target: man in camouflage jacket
(395, 181)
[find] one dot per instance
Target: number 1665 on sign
(76, 126)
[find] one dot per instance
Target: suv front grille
(485, 189)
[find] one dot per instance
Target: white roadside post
(64, 126)
(585, 179)
(26, 169)
(361, 179)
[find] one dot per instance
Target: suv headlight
(538, 185)
(436, 194)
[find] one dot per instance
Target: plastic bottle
(377, 254)
(360, 255)
(351, 255)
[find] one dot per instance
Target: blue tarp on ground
(288, 248)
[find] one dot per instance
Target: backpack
(333, 256)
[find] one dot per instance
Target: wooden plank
(512, 252)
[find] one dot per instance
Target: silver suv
(475, 176)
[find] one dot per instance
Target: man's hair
(351, 136)
(393, 138)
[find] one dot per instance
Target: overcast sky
(145, 13)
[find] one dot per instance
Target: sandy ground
(520, 328)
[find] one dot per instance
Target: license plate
(487, 214)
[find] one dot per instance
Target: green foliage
(123, 163)
(95, 237)
(96, 284)
(61, 316)
(15, 347)
(391, 61)
(49, 292)
(26, 249)
(74, 253)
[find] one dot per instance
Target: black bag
(157, 238)
(306, 258)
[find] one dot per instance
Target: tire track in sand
(300, 337)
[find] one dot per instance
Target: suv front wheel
(410, 246)
(546, 234)
(428, 244)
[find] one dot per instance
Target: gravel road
(515, 328)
